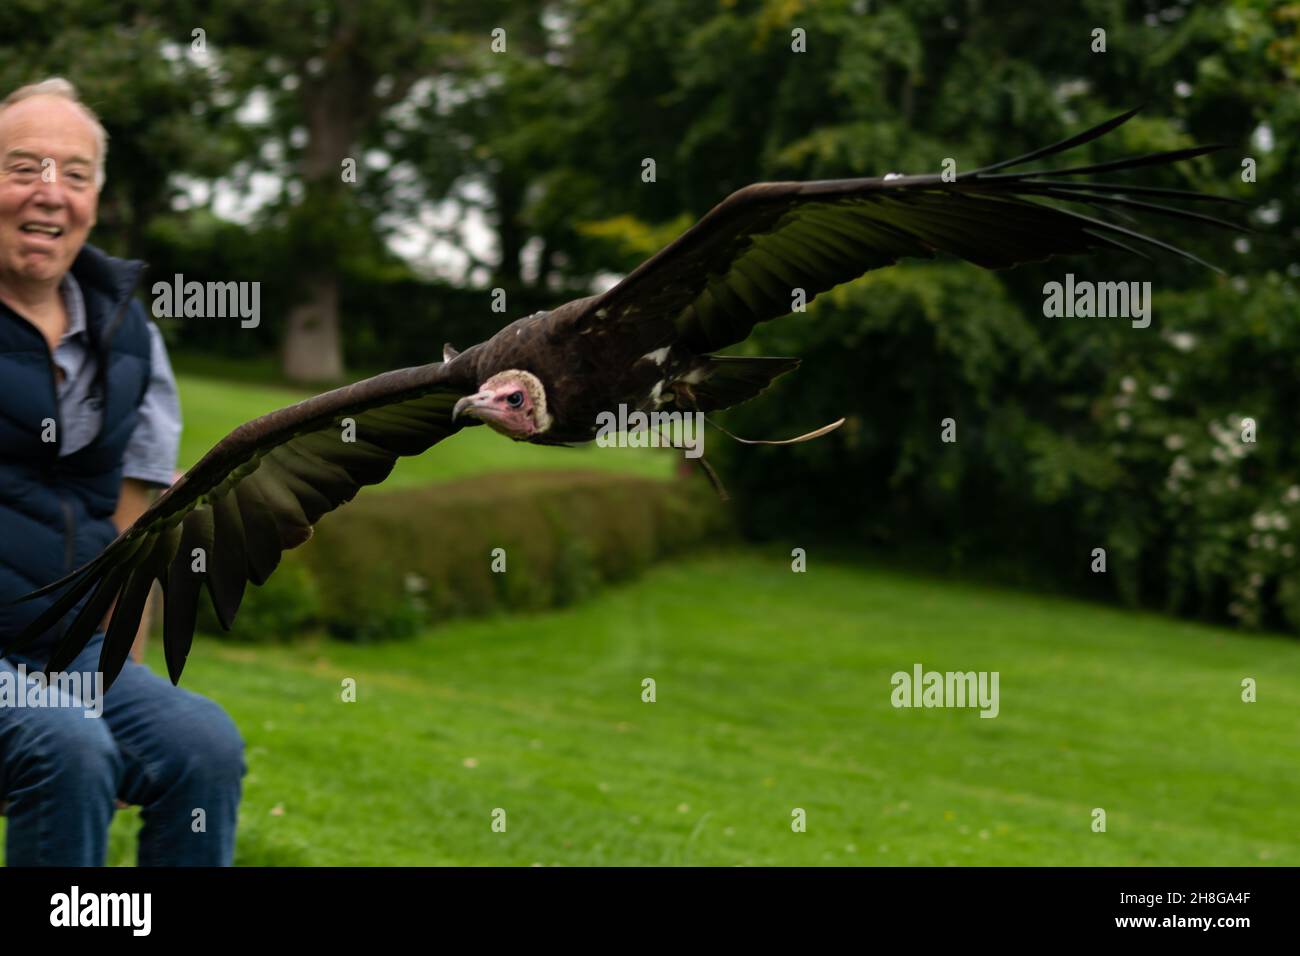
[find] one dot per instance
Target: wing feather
(226, 559)
(126, 616)
(181, 591)
(740, 263)
(90, 615)
(257, 493)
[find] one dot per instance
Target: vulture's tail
(728, 380)
(721, 381)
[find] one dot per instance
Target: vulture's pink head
(512, 402)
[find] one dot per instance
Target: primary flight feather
(646, 343)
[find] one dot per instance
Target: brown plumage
(646, 343)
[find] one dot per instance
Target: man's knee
(223, 744)
(209, 747)
(90, 749)
(61, 749)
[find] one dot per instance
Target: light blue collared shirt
(152, 451)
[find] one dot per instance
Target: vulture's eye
(515, 399)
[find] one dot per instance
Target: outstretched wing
(740, 264)
(230, 517)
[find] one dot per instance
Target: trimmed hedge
(390, 564)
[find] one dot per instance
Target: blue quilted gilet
(56, 512)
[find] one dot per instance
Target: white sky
(414, 236)
(421, 235)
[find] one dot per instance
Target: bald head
(60, 88)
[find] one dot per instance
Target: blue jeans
(176, 754)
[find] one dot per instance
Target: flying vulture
(649, 342)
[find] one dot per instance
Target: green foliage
(1133, 443)
(393, 563)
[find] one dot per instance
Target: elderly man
(89, 428)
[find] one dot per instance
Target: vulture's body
(584, 373)
(649, 343)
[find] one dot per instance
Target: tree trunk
(312, 350)
(313, 347)
(510, 233)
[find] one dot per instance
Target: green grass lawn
(773, 692)
(212, 407)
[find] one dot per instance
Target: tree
(327, 73)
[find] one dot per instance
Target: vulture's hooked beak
(478, 405)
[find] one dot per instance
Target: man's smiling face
(48, 196)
